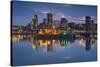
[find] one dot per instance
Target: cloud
(67, 5)
(81, 19)
(45, 11)
(42, 11)
(59, 15)
(69, 18)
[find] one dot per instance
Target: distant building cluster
(49, 23)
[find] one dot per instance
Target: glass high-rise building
(49, 19)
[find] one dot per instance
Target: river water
(33, 52)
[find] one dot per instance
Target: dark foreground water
(33, 52)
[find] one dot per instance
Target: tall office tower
(35, 21)
(49, 19)
(45, 22)
(88, 23)
(63, 22)
(92, 24)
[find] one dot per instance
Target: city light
(55, 29)
(65, 42)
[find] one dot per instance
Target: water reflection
(86, 42)
(33, 50)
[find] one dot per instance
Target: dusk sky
(24, 11)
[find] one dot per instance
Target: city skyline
(24, 11)
(48, 33)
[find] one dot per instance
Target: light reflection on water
(30, 51)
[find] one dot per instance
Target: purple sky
(24, 11)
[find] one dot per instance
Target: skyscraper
(49, 19)
(63, 22)
(34, 22)
(92, 24)
(88, 23)
(45, 22)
